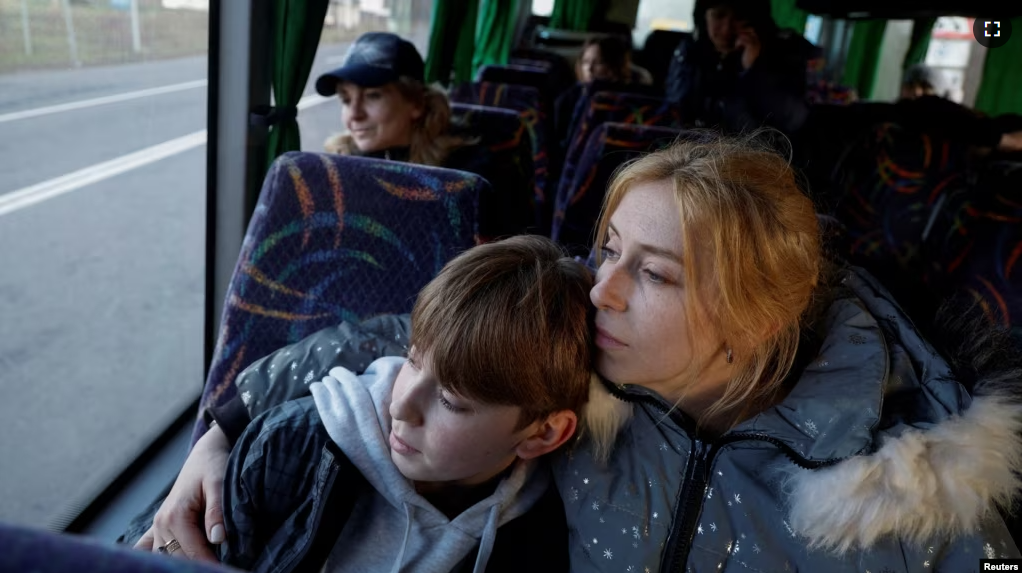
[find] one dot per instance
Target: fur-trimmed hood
(883, 445)
(942, 449)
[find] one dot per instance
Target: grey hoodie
(399, 530)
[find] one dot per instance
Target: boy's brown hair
(509, 323)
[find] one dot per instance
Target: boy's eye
(448, 404)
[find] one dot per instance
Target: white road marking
(58, 186)
(104, 100)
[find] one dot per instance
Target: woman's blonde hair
(754, 237)
(431, 141)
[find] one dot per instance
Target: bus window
(102, 222)
(543, 7)
(958, 56)
(662, 15)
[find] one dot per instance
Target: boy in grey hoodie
(430, 463)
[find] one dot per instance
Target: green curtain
(1000, 85)
(918, 42)
(452, 41)
(862, 58)
(573, 14)
(787, 15)
(495, 32)
(296, 34)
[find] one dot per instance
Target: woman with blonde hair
(753, 409)
(762, 411)
(389, 112)
(386, 108)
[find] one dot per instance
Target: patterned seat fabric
(589, 91)
(819, 90)
(826, 92)
(504, 157)
(336, 238)
(26, 549)
(613, 107)
(525, 101)
(974, 246)
(577, 205)
(892, 181)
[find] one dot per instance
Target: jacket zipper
(697, 476)
(694, 490)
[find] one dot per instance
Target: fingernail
(217, 534)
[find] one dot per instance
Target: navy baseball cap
(375, 59)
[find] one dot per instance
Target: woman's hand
(749, 43)
(195, 499)
(1011, 142)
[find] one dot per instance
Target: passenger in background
(925, 106)
(389, 112)
(607, 60)
(739, 71)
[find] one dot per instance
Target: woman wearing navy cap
(387, 109)
(390, 113)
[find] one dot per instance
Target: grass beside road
(103, 35)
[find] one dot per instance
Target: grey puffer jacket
(876, 460)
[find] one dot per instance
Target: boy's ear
(548, 435)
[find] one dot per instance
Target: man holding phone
(738, 71)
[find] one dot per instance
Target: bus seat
(657, 52)
(586, 94)
(504, 157)
(544, 65)
(892, 181)
(513, 74)
(525, 101)
(27, 549)
(613, 107)
(577, 205)
(336, 238)
(974, 245)
(831, 93)
(560, 72)
(992, 277)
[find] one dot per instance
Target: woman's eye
(608, 252)
(654, 277)
(346, 101)
(373, 95)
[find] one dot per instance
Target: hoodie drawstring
(404, 541)
(487, 540)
